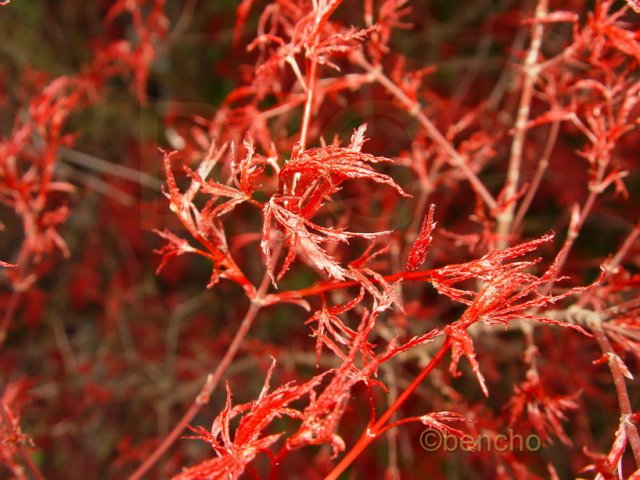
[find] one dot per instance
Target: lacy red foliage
(284, 240)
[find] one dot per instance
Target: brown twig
(543, 164)
(531, 71)
(595, 324)
(306, 119)
(213, 379)
(415, 110)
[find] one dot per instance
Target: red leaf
(419, 250)
(462, 344)
(307, 236)
(177, 246)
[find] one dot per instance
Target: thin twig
(415, 110)
(611, 267)
(181, 25)
(322, 287)
(531, 71)
(306, 119)
(543, 164)
(97, 185)
(621, 387)
(579, 216)
(213, 379)
(109, 168)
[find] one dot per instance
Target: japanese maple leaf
(236, 451)
(203, 224)
(420, 247)
(321, 417)
(307, 236)
(329, 323)
(315, 174)
(543, 411)
(307, 181)
(508, 292)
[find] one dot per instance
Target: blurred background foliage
(111, 353)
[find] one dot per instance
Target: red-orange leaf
(419, 250)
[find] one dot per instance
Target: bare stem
(576, 225)
(213, 379)
(109, 168)
(306, 119)
(612, 266)
(543, 164)
(620, 384)
(615, 262)
(181, 25)
(531, 71)
(415, 110)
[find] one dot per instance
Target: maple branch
(372, 432)
(322, 287)
(531, 71)
(579, 217)
(415, 110)
(109, 168)
(213, 379)
(328, 85)
(543, 164)
(595, 324)
(306, 119)
(611, 267)
(392, 472)
(182, 24)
